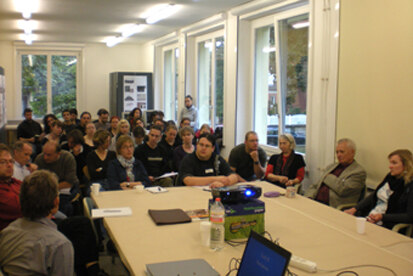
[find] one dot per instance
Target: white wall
(6, 61)
(375, 95)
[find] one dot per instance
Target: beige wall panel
(375, 92)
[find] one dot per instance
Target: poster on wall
(2, 101)
(135, 92)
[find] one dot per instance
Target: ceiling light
(161, 13)
(26, 25)
(300, 25)
(26, 7)
(132, 29)
(28, 39)
(112, 41)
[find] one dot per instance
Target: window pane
(34, 83)
(204, 81)
(265, 87)
(176, 82)
(219, 81)
(294, 53)
(168, 83)
(63, 83)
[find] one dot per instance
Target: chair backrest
(87, 210)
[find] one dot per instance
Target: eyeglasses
(5, 161)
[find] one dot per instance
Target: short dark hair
(77, 136)
(249, 133)
(138, 132)
(65, 110)
(102, 111)
(73, 111)
(4, 147)
(155, 127)
(38, 194)
(85, 112)
(170, 126)
(186, 129)
(209, 137)
(189, 97)
(184, 119)
(27, 110)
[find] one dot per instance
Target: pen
(111, 211)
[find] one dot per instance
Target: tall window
(211, 79)
(170, 76)
(48, 82)
(280, 79)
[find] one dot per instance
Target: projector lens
(248, 193)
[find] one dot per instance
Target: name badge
(207, 171)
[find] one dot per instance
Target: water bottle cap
(218, 199)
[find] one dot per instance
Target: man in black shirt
(85, 118)
(29, 131)
(204, 167)
(154, 158)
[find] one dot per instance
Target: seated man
(32, 245)
(9, 189)
(248, 159)
(153, 158)
(342, 182)
(204, 167)
(103, 116)
(63, 164)
(22, 165)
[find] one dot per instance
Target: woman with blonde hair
(392, 201)
(287, 168)
(123, 129)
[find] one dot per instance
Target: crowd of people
(123, 153)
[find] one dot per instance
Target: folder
(169, 216)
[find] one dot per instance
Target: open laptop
(263, 258)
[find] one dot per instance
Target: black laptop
(263, 258)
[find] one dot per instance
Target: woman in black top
(98, 159)
(287, 168)
(392, 201)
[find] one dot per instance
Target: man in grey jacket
(342, 182)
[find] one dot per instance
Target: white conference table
(304, 227)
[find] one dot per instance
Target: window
(210, 80)
(170, 76)
(280, 78)
(48, 81)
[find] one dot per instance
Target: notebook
(198, 267)
(263, 258)
(169, 216)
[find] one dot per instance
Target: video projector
(236, 193)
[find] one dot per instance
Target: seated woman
(113, 129)
(287, 168)
(392, 201)
(97, 160)
(123, 129)
(187, 135)
(55, 134)
(90, 132)
(125, 171)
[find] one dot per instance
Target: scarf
(128, 165)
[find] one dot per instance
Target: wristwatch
(256, 162)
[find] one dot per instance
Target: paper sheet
(111, 212)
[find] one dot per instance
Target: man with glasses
(204, 167)
(9, 189)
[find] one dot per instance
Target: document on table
(111, 212)
(156, 189)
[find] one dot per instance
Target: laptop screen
(263, 258)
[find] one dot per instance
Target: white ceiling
(91, 21)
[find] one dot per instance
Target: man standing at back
(30, 130)
(248, 159)
(342, 182)
(32, 245)
(190, 112)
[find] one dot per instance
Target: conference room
(320, 70)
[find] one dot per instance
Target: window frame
(273, 20)
(49, 51)
(175, 90)
(199, 39)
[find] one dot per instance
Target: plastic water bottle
(217, 218)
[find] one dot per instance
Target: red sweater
(9, 202)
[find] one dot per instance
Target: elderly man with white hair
(342, 182)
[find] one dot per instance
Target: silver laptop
(198, 267)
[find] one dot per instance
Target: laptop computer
(190, 267)
(263, 258)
